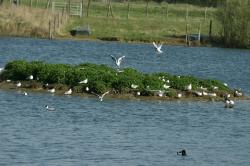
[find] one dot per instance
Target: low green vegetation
(102, 78)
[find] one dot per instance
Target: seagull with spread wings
(100, 96)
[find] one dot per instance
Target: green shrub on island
(102, 78)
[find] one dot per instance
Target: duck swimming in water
(182, 152)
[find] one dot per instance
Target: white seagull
(158, 47)
(84, 81)
(189, 87)
(49, 108)
(134, 86)
(69, 92)
(229, 103)
(25, 93)
(19, 84)
(52, 90)
(100, 96)
(117, 61)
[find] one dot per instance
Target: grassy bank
(88, 78)
(31, 22)
(163, 22)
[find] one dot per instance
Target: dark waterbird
(182, 152)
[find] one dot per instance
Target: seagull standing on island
(158, 47)
(100, 96)
(69, 92)
(117, 61)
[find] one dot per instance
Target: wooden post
(199, 33)
(88, 7)
(58, 21)
(205, 14)
(69, 4)
(128, 10)
(167, 10)
(48, 3)
(82, 7)
(187, 13)
(50, 30)
(147, 7)
(210, 29)
(54, 28)
(187, 37)
(30, 3)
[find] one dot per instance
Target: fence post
(199, 33)
(50, 30)
(167, 10)
(128, 10)
(187, 37)
(30, 3)
(210, 29)
(88, 7)
(187, 12)
(205, 14)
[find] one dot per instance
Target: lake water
(84, 131)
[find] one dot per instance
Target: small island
(89, 79)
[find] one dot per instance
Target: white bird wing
(104, 94)
(159, 46)
(95, 94)
(155, 45)
(120, 60)
(114, 58)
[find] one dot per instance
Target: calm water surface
(84, 131)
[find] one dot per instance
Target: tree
(234, 17)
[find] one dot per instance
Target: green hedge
(102, 78)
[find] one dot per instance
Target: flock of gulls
(229, 103)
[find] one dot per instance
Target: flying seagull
(158, 47)
(100, 96)
(117, 61)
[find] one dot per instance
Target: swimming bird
(238, 93)
(100, 96)
(84, 81)
(25, 93)
(30, 77)
(52, 90)
(182, 152)
(69, 92)
(49, 108)
(19, 84)
(158, 47)
(117, 61)
(229, 103)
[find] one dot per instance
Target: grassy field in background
(163, 22)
